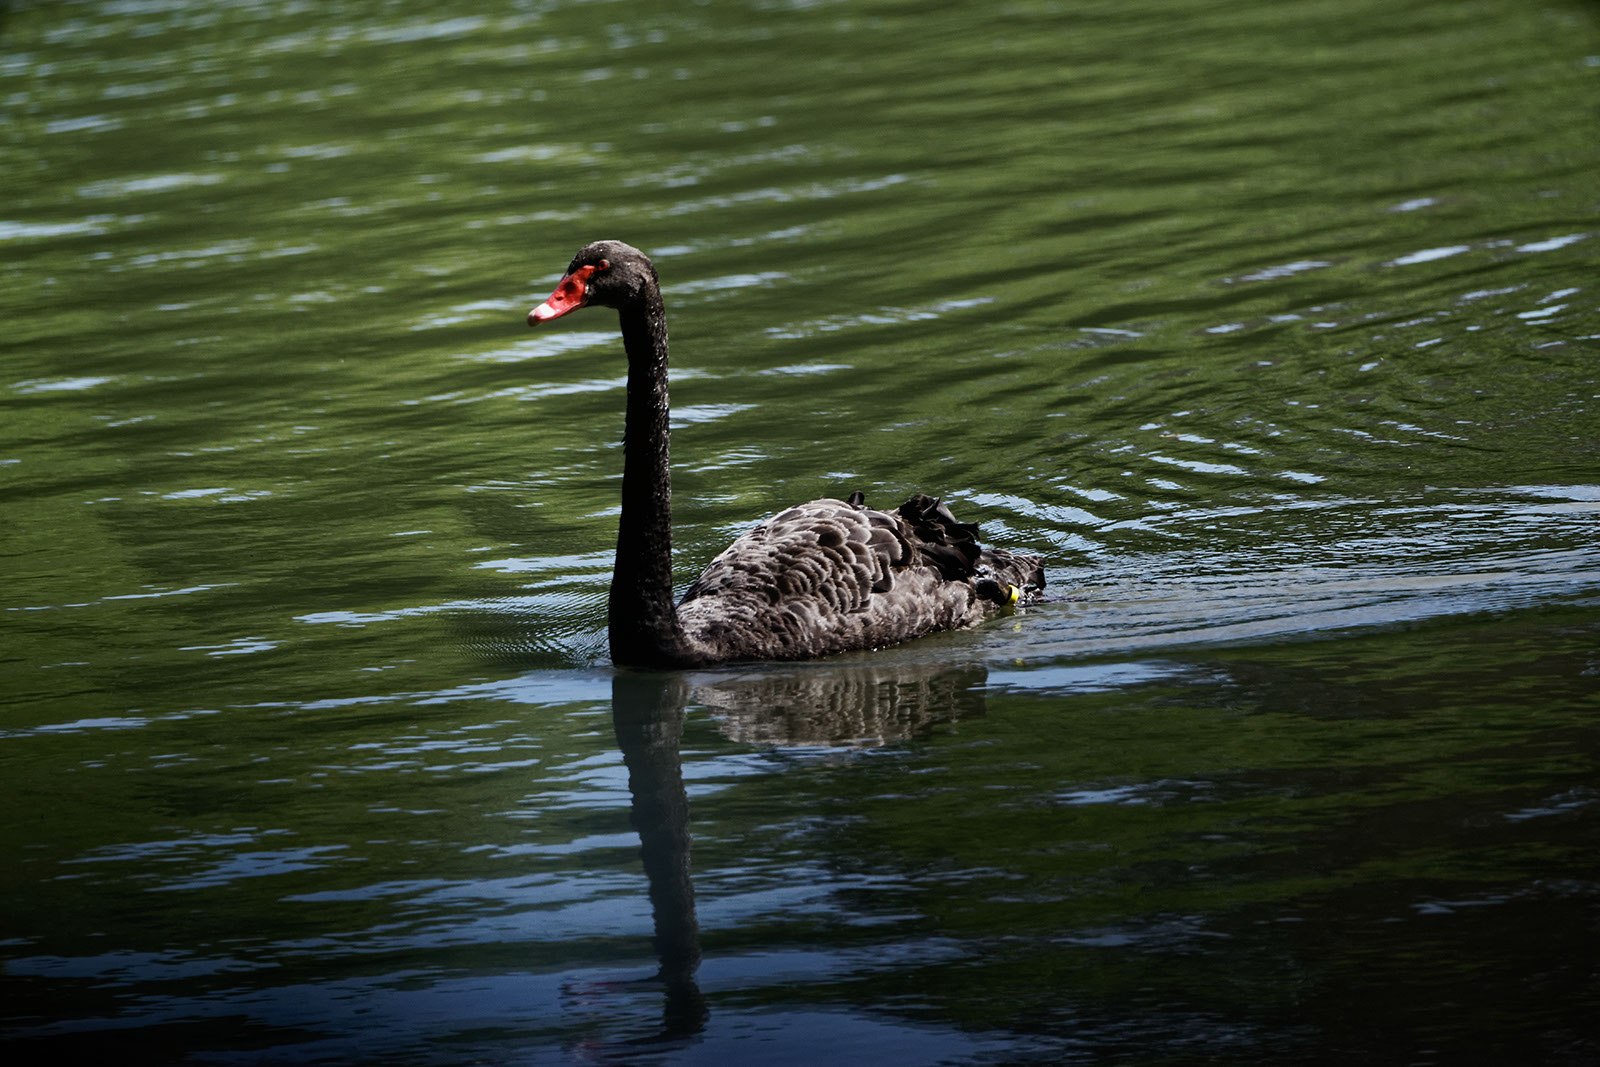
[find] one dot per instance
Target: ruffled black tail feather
(951, 546)
(945, 542)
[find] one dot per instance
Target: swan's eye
(604, 264)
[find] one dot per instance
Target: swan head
(608, 273)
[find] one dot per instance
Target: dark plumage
(823, 577)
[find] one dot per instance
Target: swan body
(819, 578)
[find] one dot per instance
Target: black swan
(824, 577)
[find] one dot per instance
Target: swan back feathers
(831, 575)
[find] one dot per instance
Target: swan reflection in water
(857, 706)
(647, 712)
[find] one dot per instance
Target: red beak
(570, 295)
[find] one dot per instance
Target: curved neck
(643, 623)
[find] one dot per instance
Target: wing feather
(832, 575)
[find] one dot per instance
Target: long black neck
(643, 623)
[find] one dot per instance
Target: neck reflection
(647, 712)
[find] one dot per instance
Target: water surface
(1273, 326)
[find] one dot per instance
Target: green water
(1274, 326)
